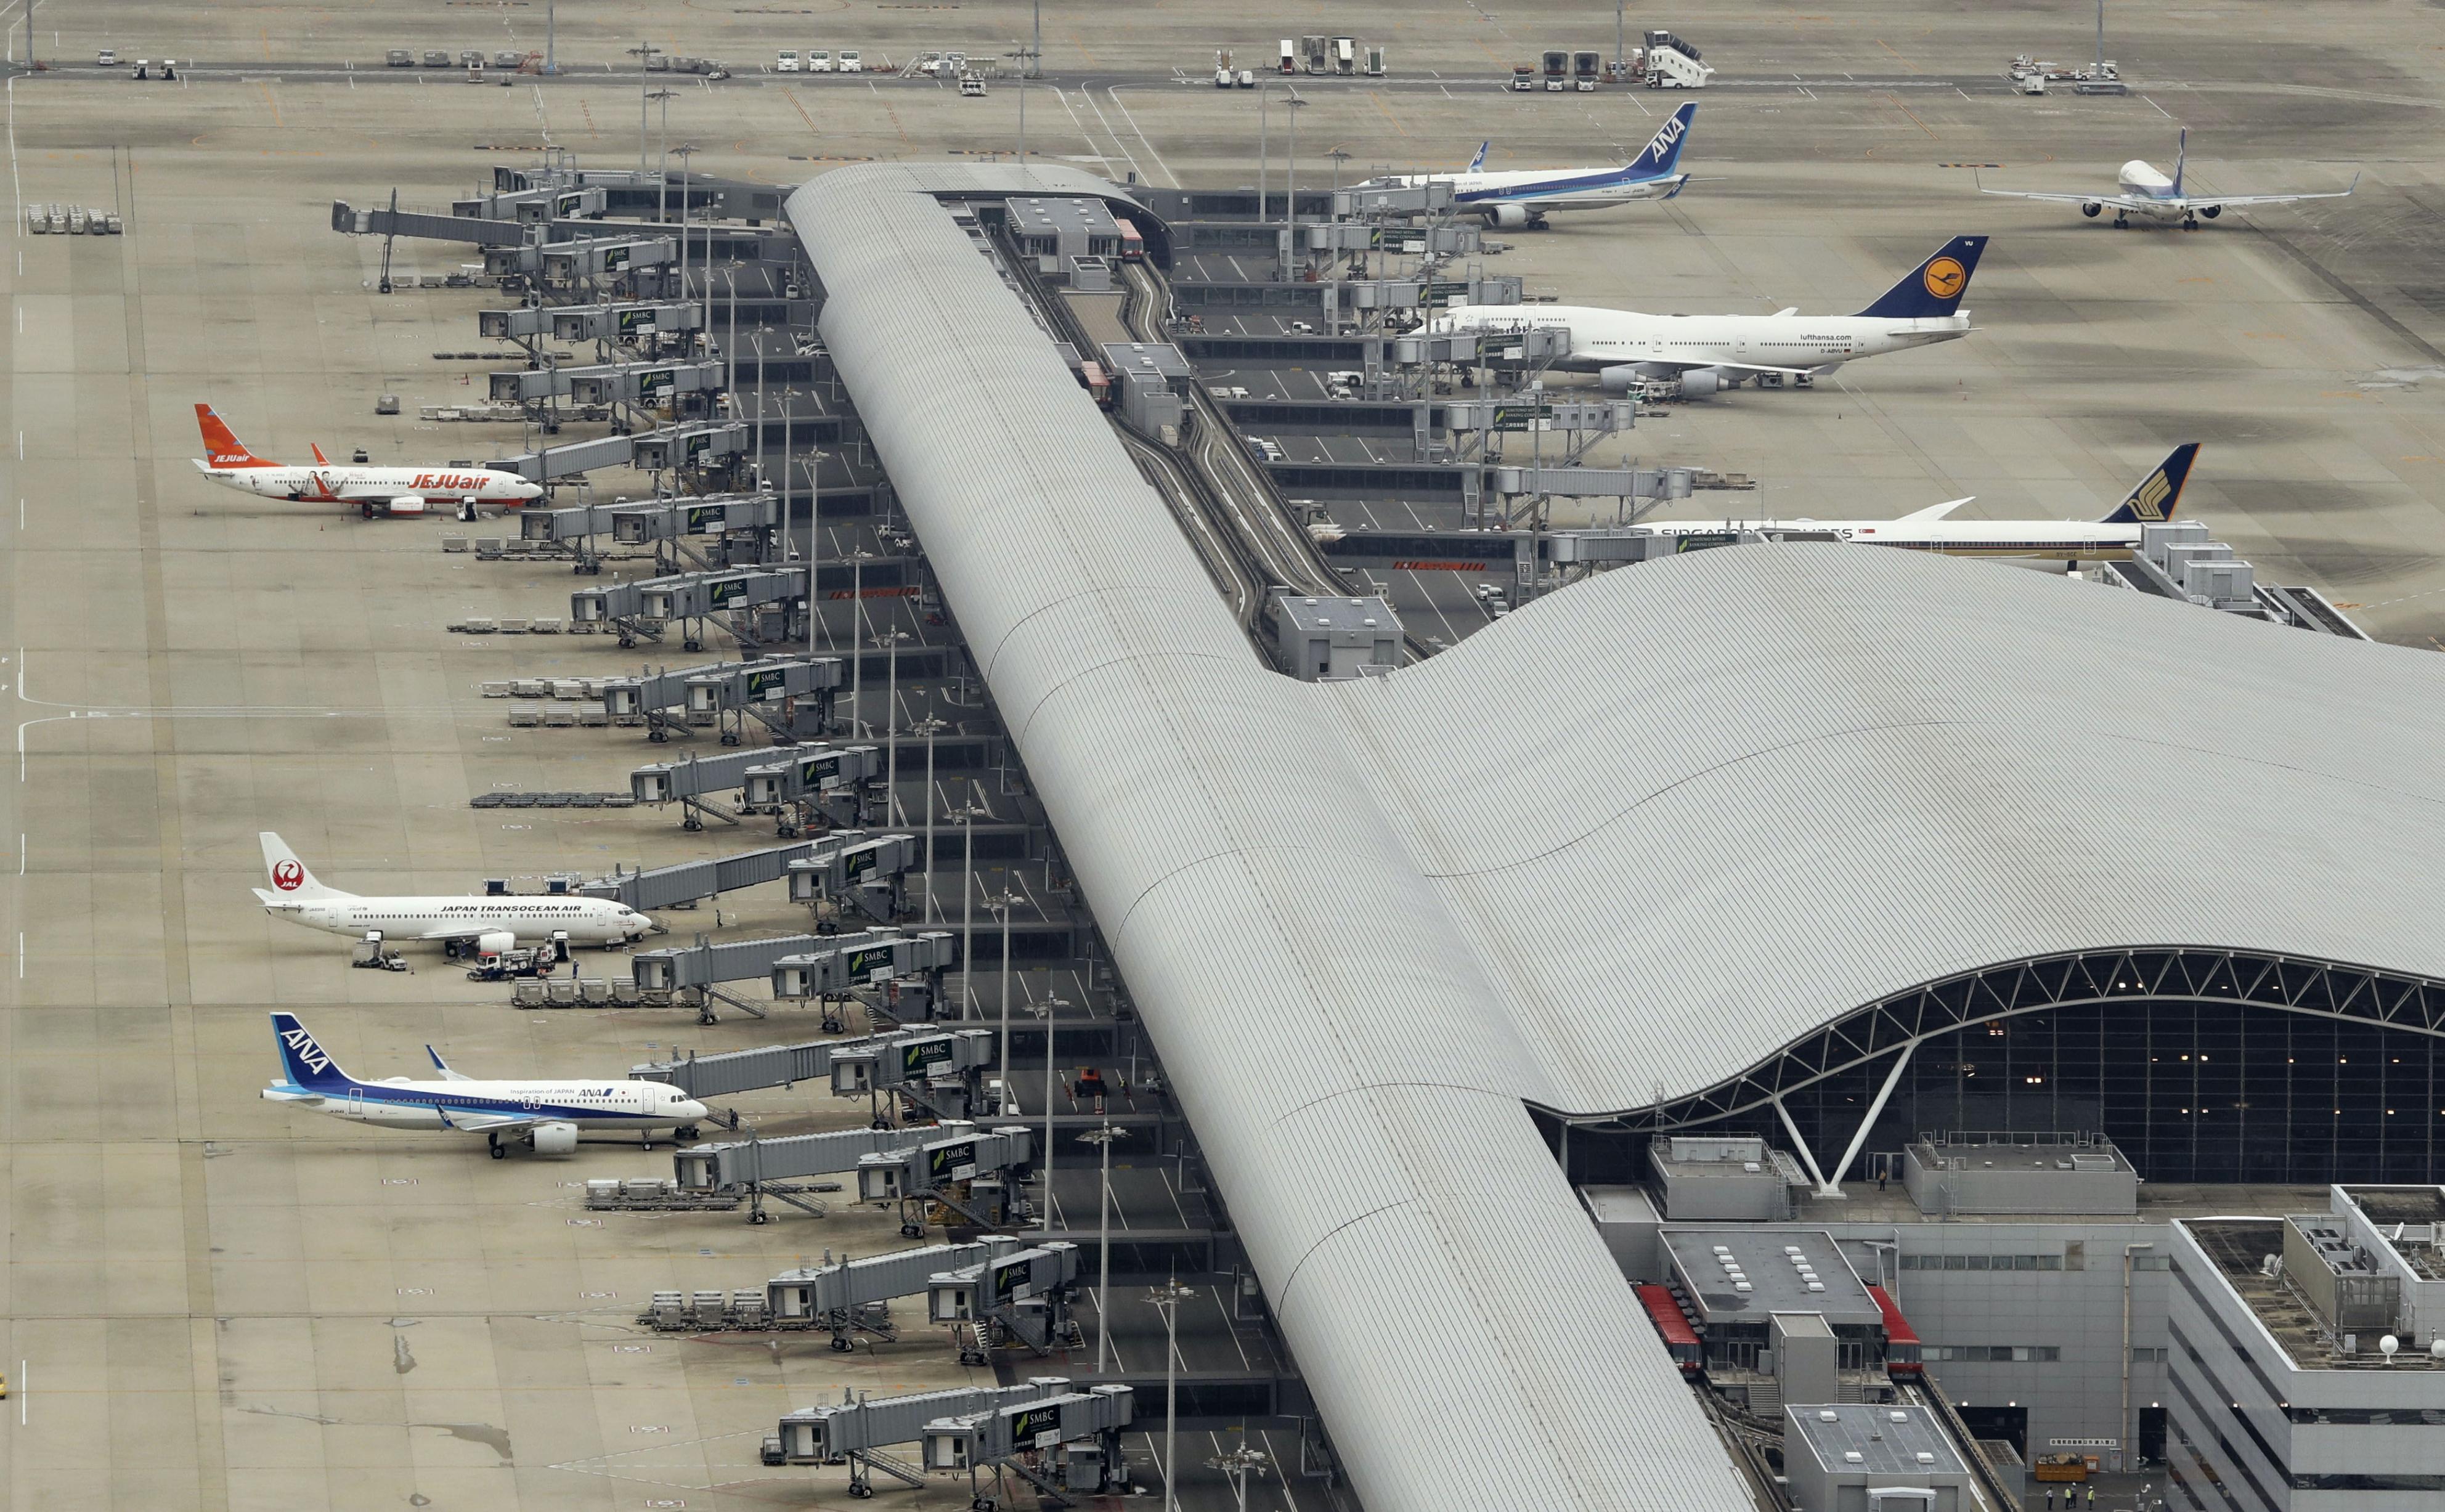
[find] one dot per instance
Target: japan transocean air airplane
(1708, 352)
(2148, 193)
(1524, 197)
(372, 490)
(2113, 539)
(461, 924)
(547, 1114)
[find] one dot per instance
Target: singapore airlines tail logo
(2149, 502)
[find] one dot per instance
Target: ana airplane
(2148, 192)
(547, 1114)
(2113, 539)
(373, 490)
(1523, 198)
(1708, 352)
(464, 926)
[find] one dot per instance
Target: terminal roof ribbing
(1616, 850)
(1336, 1043)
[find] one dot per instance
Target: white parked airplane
(463, 924)
(2113, 539)
(373, 490)
(2148, 192)
(547, 1114)
(1524, 197)
(1708, 352)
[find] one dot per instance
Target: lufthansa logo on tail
(1945, 278)
(2148, 501)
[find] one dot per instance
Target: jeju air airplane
(372, 490)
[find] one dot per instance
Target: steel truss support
(2193, 973)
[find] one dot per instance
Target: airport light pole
(889, 641)
(1025, 58)
(1104, 1137)
(929, 727)
(642, 52)
(1290, 174)
(1045, 1011)
(1001, 904)
(857, 636)
(1168, 1297)
(968, 814)
(686, 152)
(1264, 156)
(662, 159)
(1240, 1464)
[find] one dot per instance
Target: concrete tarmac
(211, 1302)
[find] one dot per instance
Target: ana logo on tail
(301, 1044)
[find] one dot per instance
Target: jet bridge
(833, 777)
(643, 608)
(1013, 1296)
(856, 1431)
(1072, 1440)
(725, 695)
(926, 1063)
(871, 873)
(622, 322)
(636, 384)
(693, 446)
(893, 1165)
(662, 523)
(681, 883)
(844, 1299)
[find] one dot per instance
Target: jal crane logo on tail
(288, 876)
(1945, 278)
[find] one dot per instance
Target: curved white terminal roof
(1625, 845)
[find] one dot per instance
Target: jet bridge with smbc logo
(909, 1167)
(903, 975)
(643, 609)
(856, 1431)
(870, 874)
(835, 777)
(633, 384)
(1058, 1445)
(845, 1299)
(938, 1072)
(746, 523)
(791, 696)
(1014, 1296)
(693, 972)
(700, 446)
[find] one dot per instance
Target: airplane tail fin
(1933, 289)
(221, 446)
(1477, 164)
(2181, 159)
(1663, 151)
(291, 881)
(308, 1064)
(320, 461)
(2153, 501)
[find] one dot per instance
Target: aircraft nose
(691, 1110)
(637, 925)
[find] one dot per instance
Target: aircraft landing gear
(492, 1142)
(686, 1131)
(2121, 221)
(2189, 223)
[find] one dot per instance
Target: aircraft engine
(493, 942)
(1700, 381)
(1621, 380)
(555, 1139)
(2210, 212)
(2092, 211)
(405, 504)
(1510, 218)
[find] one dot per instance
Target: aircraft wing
(2222, 201)
(1736, 367)
(1935, 512)
(486, 1123)
(464, 931)
(2117, 201)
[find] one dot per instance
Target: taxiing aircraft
(1520, 197)
(2147, 192)
(2113, 539)
(373, 490)
(547, 1114)
(462, 924)
(1708, 352)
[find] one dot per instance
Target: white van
(849, 62)
(819, 61)
(787, 63)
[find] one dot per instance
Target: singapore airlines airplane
(384, 489)
(464, 926)
(547, 1114)
(1523, 198)
(2113, 539)
(1708, 352)
(2148, 192)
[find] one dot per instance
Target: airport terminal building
(1824, 846)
